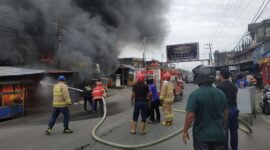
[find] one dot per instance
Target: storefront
(12, 99)
(126, 73)
(264, 64)
(15, 86)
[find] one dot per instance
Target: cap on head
(204, 74)
(61, 78)
(167, 76)
(140, 77)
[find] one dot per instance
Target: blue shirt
(153, 90)
(241, 83)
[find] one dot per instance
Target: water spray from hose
(50, 84)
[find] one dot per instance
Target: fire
(12, 94)
(47, 58)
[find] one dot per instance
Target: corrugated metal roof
(14, 71)
(58, 71)
(127, 66)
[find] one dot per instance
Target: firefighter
(98, 94)
(167, 98)
(87, 97)
(61, 103)
(140, 100)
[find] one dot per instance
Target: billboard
(183, 52)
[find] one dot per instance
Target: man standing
(98, 94)
(241, 82)
(140, 94)
(167, 98)
(154, 102)
(87, 97)
(61, 101)
(207, 107)
(230, 91)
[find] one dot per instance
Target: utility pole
(60, 38)
(144, 59)
(209, 47)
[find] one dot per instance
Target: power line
(267, 3)
(224, 14)
(232, 8)
(255, 18)
(233, 21)
(267, 12)
(229, 18)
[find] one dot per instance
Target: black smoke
(92, 31)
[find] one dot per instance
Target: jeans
(55, 114)
(232, 129)
(100, 104)
(200, 145)
(140, 108)
(155, 108)
(90, 100)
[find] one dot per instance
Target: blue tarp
(11, 111)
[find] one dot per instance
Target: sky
(220, 22)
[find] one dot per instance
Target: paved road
(24, 135)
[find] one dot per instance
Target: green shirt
(208, 104)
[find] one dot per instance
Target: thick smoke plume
(77, 33)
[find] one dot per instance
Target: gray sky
(203, 21)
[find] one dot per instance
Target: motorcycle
(265, 104)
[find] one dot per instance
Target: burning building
(15, 86)
(75, 34)
(21, 91)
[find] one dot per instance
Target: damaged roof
(14, 71)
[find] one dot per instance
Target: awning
(264, 60)
(14, 71)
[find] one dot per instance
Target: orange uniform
(98, 92)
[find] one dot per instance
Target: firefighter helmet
(167, 76)
(61, 78)
(140, 77)
(204, 74)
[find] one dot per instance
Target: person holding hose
(207, 107)
(139, 99)
(87, 97)
(167, 98)
(230, 90)
(61, 102)
(98, 94)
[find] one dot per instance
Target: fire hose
(245, 129)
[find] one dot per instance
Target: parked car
(189, 78)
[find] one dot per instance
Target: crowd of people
(92, 94)
(146, 102)
(212, 110)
